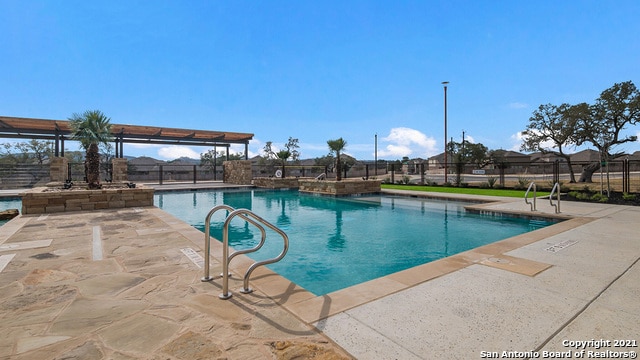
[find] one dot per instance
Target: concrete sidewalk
(588, 288)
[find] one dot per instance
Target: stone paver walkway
(125, 284)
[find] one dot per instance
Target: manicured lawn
(468, 191)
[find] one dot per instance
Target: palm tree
(283, 155)
(91, 129)
(336, 146)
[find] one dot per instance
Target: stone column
(237, 172)
(59, 169)
(119, 170)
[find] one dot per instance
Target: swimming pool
(10, 203)
(339, 242)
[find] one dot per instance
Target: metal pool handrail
(556, 186)
(251, 218)
(207, 239)
(246, 215)
(526, 195)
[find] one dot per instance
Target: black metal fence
(622, 175)
(15, 176)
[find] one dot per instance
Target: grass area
(463, 190)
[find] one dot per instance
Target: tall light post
(376, 155)
(446, 165)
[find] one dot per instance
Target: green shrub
(599, 198)
(491, 181)
(523, 182)
(629, 197)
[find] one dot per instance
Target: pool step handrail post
(526, 195)
(251, 218)
(248, 215)
(207, 239)
(555, 190)
(256, 220)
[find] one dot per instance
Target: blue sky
(316, 70)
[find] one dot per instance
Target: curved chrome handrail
(556, 186)
(526, 195)
(246, 215)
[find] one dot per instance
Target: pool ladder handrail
(253, 219)
(526, 195)
(556, 186)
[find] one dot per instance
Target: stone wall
(119, 166)
(59, 169)
(237, 172)
(344, 187)
(53, 200)
(276, 183)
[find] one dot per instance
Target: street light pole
(445, 131)
(376, 155)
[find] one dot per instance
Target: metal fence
(623, 174)
(15, 176)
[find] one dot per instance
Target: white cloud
(518, 105)
(177, 151)
(407, 142)
(469, 139)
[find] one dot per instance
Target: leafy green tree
(91, 129)
(327, 161)
(465, 153)
(602, 123)
(552, 127)
(336, 147)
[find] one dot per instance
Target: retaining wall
(344, 187)
(44, 200)
(276, 183)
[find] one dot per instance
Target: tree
(33, 151)
(91, 128)
(36, 150)
(552, 127)
(602, 123)
(290, 151)
(212, 158)
(465, 153)
(337, 146)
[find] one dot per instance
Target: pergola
(60, 130)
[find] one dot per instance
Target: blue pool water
(339, 242)
(10, 203)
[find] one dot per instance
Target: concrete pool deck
(125, 284)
